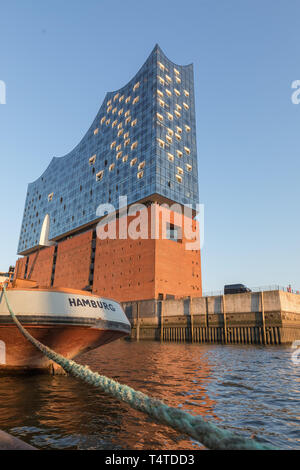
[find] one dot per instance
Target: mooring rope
(196, 427)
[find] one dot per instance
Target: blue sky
(58, 59)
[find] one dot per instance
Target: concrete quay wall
(271, 317)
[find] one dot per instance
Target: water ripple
(248, 389)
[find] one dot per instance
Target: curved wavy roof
(72, 181)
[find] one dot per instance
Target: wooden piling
(192, 320)
(162, 320)
(263, 318)
(138, 321)
(206, 320)
(224, 320)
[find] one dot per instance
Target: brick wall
(73, 262)
(177, 268)
(124, 269)
(20, 268)
(41, 265)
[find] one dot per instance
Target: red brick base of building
(122, 269)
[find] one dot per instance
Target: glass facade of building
(142, 142)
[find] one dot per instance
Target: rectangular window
(99, 175)
(92, 160)
(161, 143)
(173, 232)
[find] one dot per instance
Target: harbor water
(245, 388)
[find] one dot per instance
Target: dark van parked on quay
(236, 289)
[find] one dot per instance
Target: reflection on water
(250, 389)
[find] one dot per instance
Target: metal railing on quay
(256, 289)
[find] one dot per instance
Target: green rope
(196, 427)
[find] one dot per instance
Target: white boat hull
(68, 322)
